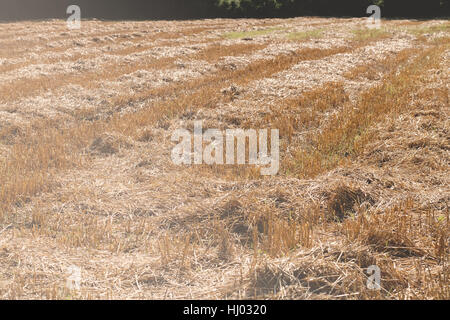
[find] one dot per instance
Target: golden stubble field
(87, 181)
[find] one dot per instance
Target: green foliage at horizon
(289, 8)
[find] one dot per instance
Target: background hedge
(190, 9)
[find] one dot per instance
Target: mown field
(86, 177)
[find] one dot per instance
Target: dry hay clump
(145, 135)
(252, 224)
(233, 92)
(346, 201)
(109, 144)
(397, 231)
(305, 278)
(10, 133)
(391, 240)
(233, 215)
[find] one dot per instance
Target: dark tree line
(190, 9)
(353, 8)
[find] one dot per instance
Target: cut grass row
(306, 115)
(250, 33)
(359, 34)
(86, 54)
(24, 87)
(26, 171)
(44, 148)
(13, 49)
(347, 132)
